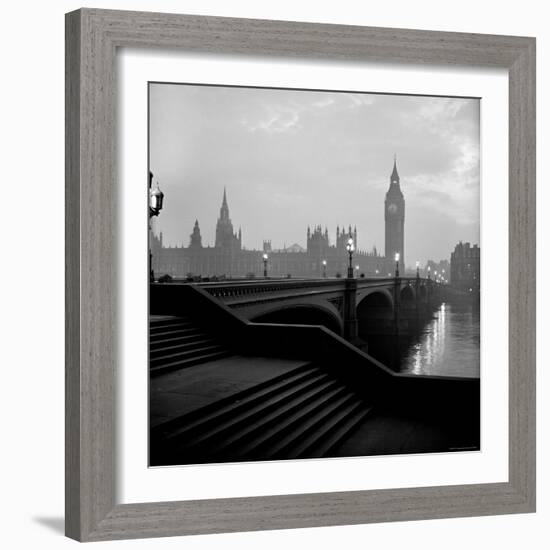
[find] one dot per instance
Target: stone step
(325, 424)
(330, 440)
(309, 426)
(182, 364)
(174, 332)
(155, 325)
(178, 345)
(191, 351)
(243, 418)
(291, 426)
(156, 329)
(204, 417)
(160, 343)
(233, 445)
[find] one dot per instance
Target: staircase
(306, 412)
(179, 342)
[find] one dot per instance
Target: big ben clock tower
(394, 215)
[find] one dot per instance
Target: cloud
(276, 120)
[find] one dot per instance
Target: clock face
(392, 208)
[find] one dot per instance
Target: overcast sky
(292, 158)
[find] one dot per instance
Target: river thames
(447, 346)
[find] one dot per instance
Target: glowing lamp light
(397, 264)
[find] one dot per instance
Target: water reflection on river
(448, 345)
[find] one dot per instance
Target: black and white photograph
(314, 274)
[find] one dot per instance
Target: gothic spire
(394, 178)
(224, 210)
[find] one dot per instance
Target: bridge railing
(237, 289)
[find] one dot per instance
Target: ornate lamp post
(324, 269)
(155, 202)
(350, 297)
(265, 258)
(396, 264)
(350, 247)
(156, 199)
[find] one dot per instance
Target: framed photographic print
(300, 275)
(224, 390)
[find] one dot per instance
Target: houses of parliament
(322, 257)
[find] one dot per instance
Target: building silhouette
(465, 266)
(323, 256)
(394, 216)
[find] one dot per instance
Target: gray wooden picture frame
(92, 39)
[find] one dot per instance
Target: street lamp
(265, 257)
(350, 247)
(377, 271)
(418, 270)
(324, 269)
(156, 198)
(397, 264)
(429, 270)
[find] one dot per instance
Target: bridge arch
(303, 314)
(374, 297)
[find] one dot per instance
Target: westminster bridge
(353, 308)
